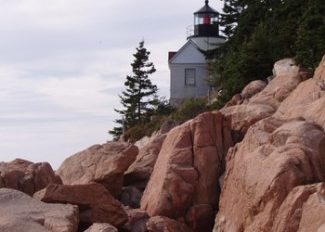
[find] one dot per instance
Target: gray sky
(63, 63)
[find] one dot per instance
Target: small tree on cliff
(139, 98)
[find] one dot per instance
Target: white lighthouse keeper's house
(188, 66)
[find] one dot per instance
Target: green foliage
(139, 98)
(262, 32)
(159, 115)
(189, 109)
(310, 43)
(163, 108)
(138, 131)
(118, 130)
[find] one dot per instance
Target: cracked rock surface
(19, 212)
(184, 183)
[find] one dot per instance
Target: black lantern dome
(206, 22)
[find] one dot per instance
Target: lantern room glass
(200, 19)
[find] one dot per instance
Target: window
(190, 76)
(206, 19)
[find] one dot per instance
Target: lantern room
(206, 22)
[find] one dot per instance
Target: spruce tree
(262, 32)
(310, 43)
(139, 97)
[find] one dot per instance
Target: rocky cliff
(258, 164)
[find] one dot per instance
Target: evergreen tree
(262, 32)
(246, 54)
(139, 98)
(232, 10)
(310, 43)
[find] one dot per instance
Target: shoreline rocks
(104, 164)
(95, 202)
(26, 176)
(258, 164)
(20, 212)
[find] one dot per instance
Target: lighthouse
(206, 22)
(188, 65)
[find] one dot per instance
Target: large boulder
(164, 224)
(285, 81)
(139, 172)
(26, 176)
(101, 227)
(137, 220)
(171, 185)
(253, 88)
(19, 212)
(313, 212)
(320, 71)
(149, 147)
(274, 157)
(95, 202)
(307, 100)
(186, 173)
(245, 115)
(263, 102)
(285, 67)
(301, 98)
(104, 164)
(302, 210)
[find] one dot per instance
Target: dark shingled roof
(206, 9)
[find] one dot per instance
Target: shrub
(189, 109)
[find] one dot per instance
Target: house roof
(188, 45)
(197, 45)
(208, 43)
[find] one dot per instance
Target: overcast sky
(63, 63)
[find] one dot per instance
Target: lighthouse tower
(188, 66)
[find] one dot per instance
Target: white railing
(189, 31)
